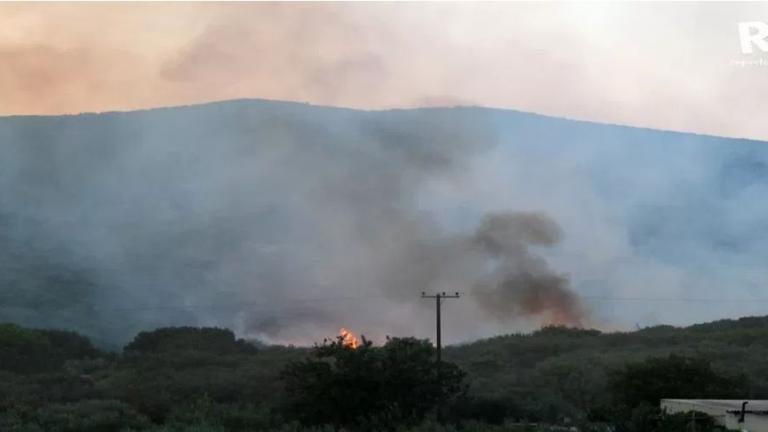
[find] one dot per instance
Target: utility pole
(693, 421)
(438, 297)
(438, 364)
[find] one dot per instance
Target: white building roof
(726, 404)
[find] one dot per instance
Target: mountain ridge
(279, 102)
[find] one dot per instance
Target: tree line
(205, 379)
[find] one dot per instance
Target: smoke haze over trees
(286, 221)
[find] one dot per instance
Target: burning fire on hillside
(348, 339)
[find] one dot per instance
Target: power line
(643, 299)
(287, 303)
(294, 303)
(297, 303)
(676, 299)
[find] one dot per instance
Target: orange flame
(348, 339)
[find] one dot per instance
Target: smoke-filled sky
(286, 221)
(667, 66)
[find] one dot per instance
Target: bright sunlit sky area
(674, 66)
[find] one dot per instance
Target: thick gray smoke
(522, 282)
(287, 221)
(281, 220)
(496, 264)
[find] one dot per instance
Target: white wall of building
(719, 409)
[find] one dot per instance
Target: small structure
(735, 414)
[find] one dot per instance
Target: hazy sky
(668, 66)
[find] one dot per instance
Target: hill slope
(286, 221)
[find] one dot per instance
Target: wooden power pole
(438, 297)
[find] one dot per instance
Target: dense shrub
(674, 376)
(205, 380)
(398, 382)
(83, 416)
(231, 417)
(170, 339)
(32, 351)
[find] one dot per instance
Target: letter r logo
(752, 34)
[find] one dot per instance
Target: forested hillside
(193, 379)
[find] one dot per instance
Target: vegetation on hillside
(192, 379)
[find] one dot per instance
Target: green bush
(370, 387)
(83, 416)
(230, 417)
(34, 351)
(170, 339)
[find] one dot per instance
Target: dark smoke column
(520, 282)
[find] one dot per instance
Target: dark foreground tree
(396, 383)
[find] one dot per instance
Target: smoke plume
(521, 283)
(280, 220)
